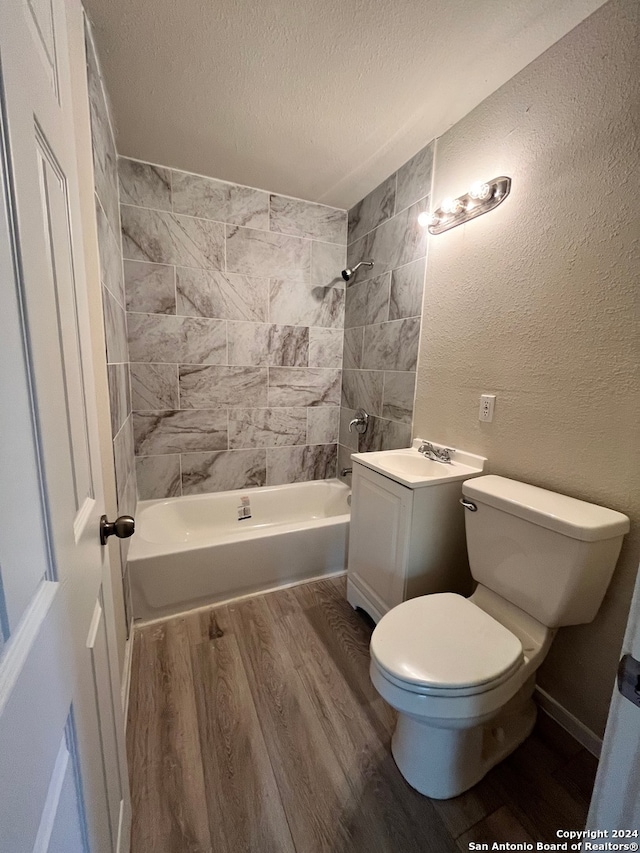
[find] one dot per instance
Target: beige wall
(537, 303)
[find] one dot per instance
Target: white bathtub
(191, 551)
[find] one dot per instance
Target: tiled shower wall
(384, 308)
(235, 322)
(113, 294)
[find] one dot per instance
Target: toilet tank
(549, 554)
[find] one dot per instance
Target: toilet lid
(443, 641)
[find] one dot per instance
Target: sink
(412, 469)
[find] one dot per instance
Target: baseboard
(125, 686)
(571, 724)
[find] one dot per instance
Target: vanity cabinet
(404, 542)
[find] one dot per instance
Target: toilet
(461, 671)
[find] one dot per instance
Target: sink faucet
(436, 454)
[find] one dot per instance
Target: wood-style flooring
(253, 726)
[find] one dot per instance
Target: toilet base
(442, 761)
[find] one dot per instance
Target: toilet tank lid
(569, 516)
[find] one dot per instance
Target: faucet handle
(360, 422)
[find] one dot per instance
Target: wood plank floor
(254, 727)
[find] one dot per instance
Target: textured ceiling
(319, 99)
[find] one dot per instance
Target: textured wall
(537, 302)
(383, 307)
(235, 316)
(113, 297)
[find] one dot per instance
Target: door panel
(97, 643)
(62, 776)
(62, 824)
(24, 547)
(62, 285)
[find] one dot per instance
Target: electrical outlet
(487, 404)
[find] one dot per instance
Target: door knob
(122, 527)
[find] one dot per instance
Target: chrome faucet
(436, 454)
(359, 422)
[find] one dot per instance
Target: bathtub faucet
(345, 471)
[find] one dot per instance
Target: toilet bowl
(461, 672)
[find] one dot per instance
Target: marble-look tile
(407, 287)
(299, 464)
(144, 185)
(158, 477)
(414, 178)
(372, 209)
(211, 199)
(362, 389)
(327, 262)
(204, 387)
(128, 497)
(352, 352)
(110, 256)
(179, 432)
(367, 302)
(398, 241)
(123, 455)
(115, 329)
(346, 438)
(162, 338)
(249, 343)
(299, 304)
(382, 434)
(267, 427)
(221, 472)
(104, 150)
(397, 397)
(299, 386)
(127, 505)
(228, 296)
(325, 347)
(323, 425)
(267, 344)
(165, 238)
(392, 345)
(344, 461)
(154, 386)
(306, 219)
(119, 395)
(263, 253)
(150, 288)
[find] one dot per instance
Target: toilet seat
(444, 645)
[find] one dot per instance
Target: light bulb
(451, 205)
(479, 190)
(425, 218)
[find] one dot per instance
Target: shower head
(346, 274)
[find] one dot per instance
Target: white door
(62, 785)
(615, 806)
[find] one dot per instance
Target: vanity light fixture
(480, 198)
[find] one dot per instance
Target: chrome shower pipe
(348, 273)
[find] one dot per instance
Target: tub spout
(345, 471)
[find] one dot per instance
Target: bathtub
(196, 550)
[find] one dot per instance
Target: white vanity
(407, 534)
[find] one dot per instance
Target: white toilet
(461, 671)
